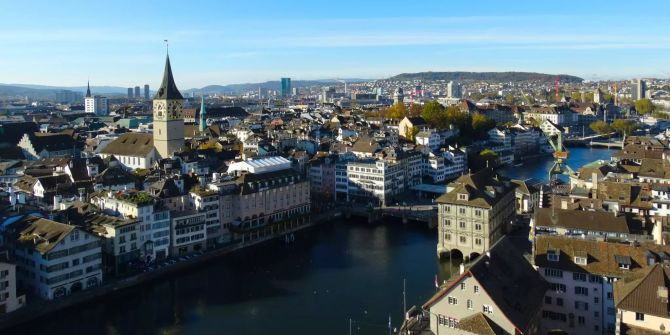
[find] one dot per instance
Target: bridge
(608, 144)
(420, 213)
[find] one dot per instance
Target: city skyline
(213, 44)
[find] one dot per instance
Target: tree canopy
(600, 127)
(435, 115)
(622, 126)
(397, 111)
(644, 106)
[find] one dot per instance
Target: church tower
(168, 117)
(203, 116)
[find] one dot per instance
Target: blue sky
(220, 42)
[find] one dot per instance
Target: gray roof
(168, 89)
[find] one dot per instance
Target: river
(337, 271)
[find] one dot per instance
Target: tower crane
(560, 167)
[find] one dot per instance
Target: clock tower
(168, 117)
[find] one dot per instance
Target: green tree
(432, 112)
(481, 124)
(509, 99)
(600, 127)
(644, 106)
(529, 99)
(488, 158)
(588, 96)
(411, 133)
(576, 96)
(622, 126)
(397, 111)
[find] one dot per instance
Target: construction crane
(557, 99)
(560, 167)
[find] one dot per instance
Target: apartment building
(486, 297)
(154, 217)
(189, 232)
(55, 259)
(475, 212)
(9, 300)
(374, 180)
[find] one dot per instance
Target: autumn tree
(433, 112)
(622, 126)
(600, 127)
(411, 133)
(415, 110)
(397, 111)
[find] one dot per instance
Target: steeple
(203, 115)
(88, 89)
(168, 89)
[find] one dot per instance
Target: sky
(121, 43)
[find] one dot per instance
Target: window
(487, 309)
(447, 223)
(639, 316)
(447, 237)
(452, 301)
(478, 241)
(476, 289)
(462, 286)
(75, 262)
(469, 303)
(581, 305)
(461, 210)
(581, 320)
(553, 273)
(557, 287)
(478, 226)
(596, 300)
(581, 290)
(579, 276)
(609, 296)
(462, 239)
(552, 255)
(580, 260)
(461, 225)
(478, 212)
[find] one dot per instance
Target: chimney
(594, 180)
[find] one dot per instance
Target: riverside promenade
(38, 308)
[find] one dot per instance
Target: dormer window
(624, 262)
(463, 196)
(581, 258)
(552, 255)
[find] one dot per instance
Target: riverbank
(41, 308)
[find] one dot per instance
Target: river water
(346, 269)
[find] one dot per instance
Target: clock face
(159, 110)
(174, 110)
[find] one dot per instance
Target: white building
(133, 150)
(154, 232)
(429, 138)
(434, 167)
(374, 179)
(96, 105)
(9, 301)
(454, 90)
(55, 259)
(455, 164)
(260, 165)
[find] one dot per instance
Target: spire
(203, 115)
(88, 89)
(168, 89)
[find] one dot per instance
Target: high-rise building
(262, 92)
(137, 92)
(639, 90)
(94, 103)
(130, 92)
(285, 87)
(295, 91)
(454, 90)
(398, 96)
(203, 115)
(146, 91)
(168, 118)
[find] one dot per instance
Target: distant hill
(49, 92)
(486, 76)
(270, 85)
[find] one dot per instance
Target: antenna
(167, 47)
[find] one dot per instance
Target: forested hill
(486, 76)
